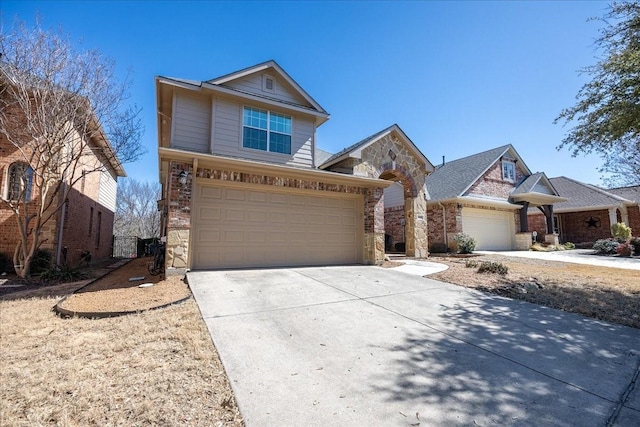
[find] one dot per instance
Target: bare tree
(63, 111)
(137, 209)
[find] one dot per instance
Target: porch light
(182, 178)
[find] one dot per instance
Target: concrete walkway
(577, 256)
(368, 346)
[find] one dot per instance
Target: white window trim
(512, 166)
(242, 126)
(7, 182)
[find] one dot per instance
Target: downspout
(63, 212)
(444, 225)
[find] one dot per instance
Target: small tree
(62, 111)
(137, 209)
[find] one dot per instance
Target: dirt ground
(117, 293)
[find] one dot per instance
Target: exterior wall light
(182, 178)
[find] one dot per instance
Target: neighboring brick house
(589, 211)
(487, 196)
(84, 222)
(244, 184)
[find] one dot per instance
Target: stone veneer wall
(389, 156)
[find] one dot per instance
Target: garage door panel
(247, 227)
(492, 230)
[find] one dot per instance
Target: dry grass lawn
(153, 368)
(160, 367)
(610, 294)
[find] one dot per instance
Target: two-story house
(244, 185)
(82, 222)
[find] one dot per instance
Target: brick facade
(491, 183)
(394, 227)
(80, 230)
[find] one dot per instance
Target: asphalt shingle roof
(453, 178)
(581, 195)
(629, 193)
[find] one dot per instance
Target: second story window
(508, 171)
(19, 182)
(266, 131)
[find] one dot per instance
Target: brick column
(374, 225)
(178, 218)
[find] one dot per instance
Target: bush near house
(6, 264)
(620, 230)
(466, 243)
(624, 249)
(606, 246)
(635, 244)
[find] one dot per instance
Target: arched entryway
(390, 155)
(398, 210)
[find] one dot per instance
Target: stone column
(524, 217)
(374, 225)
(178, 218)
(417, 243)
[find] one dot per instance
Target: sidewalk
(577, 256)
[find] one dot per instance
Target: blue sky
(457, 77)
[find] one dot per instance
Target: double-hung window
(265, 130)
(508, 171)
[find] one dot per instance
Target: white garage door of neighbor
(492, 230)
(250, 226)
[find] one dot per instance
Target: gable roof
(581, 196)
(454, 178)
(356, 149)
(220, 85)
(97, 136)
(271, 64)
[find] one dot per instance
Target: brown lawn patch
(152, 368)
(609, 294)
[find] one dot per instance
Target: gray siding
(253, 84)
(191, 123)
(394, 195)
(108, 190)
(227, 139)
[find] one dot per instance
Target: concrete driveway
(367, 346)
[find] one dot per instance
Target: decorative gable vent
(268, 83)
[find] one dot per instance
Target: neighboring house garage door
(492, 230)
(250, 226)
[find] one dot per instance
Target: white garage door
(492, 230)
(250, 226)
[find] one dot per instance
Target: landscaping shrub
(466, 243)
(606, 246)
(493, 267)
(635, 244)
(620, 230)
(41, 261)
(624, 249)
(63, 274)
(471, 264)
(6, 263)
(569, 245)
